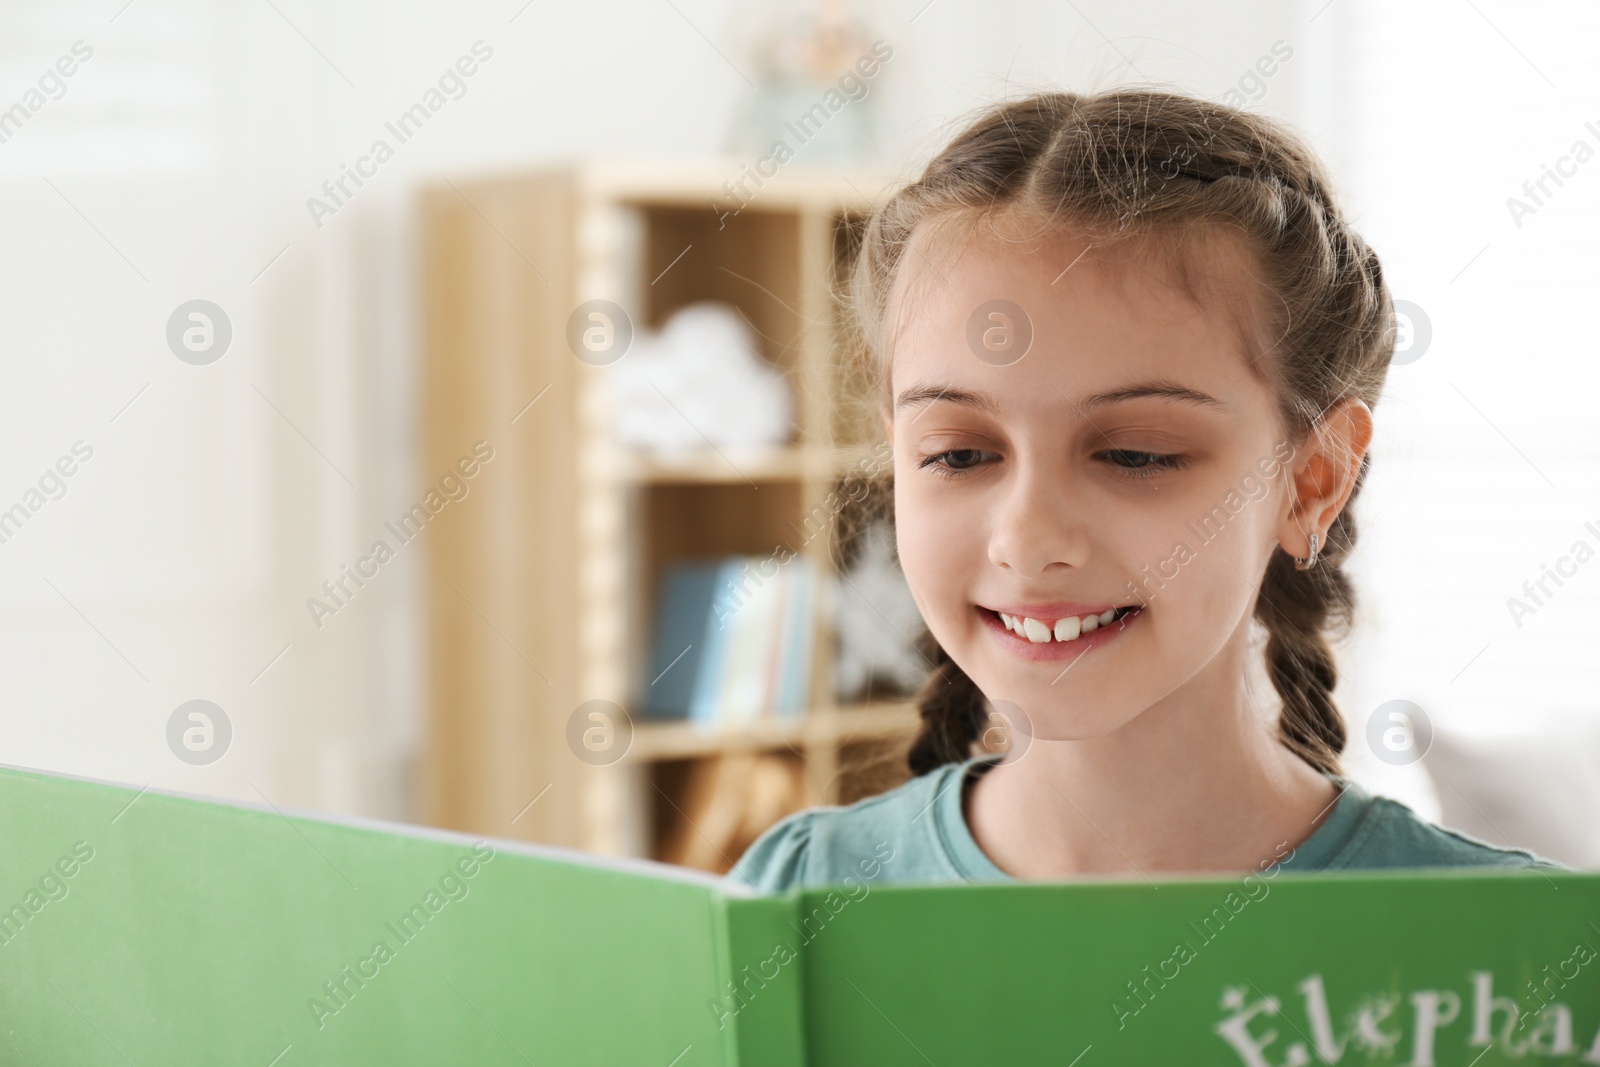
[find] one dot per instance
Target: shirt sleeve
(775, 861)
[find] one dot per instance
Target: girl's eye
(955, 463)
(958, 462)
(1144, 465)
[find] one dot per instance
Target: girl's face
(1128, 459)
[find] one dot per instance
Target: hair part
(1130, 170)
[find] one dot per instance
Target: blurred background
(395, 390)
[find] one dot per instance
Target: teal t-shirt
(916, 833)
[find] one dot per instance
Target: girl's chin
(1014, 725)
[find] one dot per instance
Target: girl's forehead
(1079, 315)
(1044, 260)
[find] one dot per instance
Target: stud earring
(1308, 562)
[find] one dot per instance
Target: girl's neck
(1196, 783)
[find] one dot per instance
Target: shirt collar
(1323, 848)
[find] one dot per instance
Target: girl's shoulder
(890, 837)
(1386, 833)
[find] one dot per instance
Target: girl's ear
(1324, 475)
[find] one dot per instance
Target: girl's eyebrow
(1160, 389)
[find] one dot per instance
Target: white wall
(177, 166)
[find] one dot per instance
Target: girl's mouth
(1058, 638)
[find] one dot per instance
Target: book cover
(142, 926)
(718, 631)
(795, 674)
(743, 692)
(774, 631)
(678, 644)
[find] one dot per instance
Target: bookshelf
(541, 583)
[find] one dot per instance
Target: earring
(1308, 562)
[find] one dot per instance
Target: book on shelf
(733, 640)
(150, 927)
(678, 645)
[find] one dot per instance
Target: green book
(143, 927)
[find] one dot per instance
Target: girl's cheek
(917, 551)
(935, 569)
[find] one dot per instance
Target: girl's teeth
(1066, 629)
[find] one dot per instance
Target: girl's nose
(1035, 525)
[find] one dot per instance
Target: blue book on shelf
(742, 691)
(724, 605)
(683, 615)
(795, 673)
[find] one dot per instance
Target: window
(1469, 137)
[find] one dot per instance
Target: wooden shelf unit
(541, 583)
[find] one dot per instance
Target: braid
(1297, 609)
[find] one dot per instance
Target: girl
(1127, 348)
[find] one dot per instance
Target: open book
(146, 927)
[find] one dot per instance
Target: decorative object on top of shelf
(815, 60)
(701, 378)
(877, 620)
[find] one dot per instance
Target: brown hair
(1154, 166)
